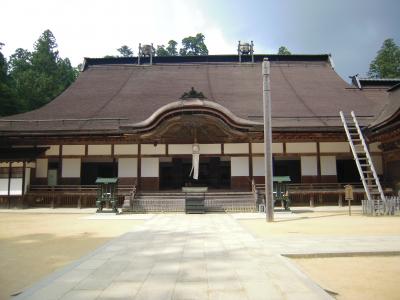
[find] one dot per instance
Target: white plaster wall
(41, 167)
(71, 168)
(17, 165)
(149, 149)
(3, 186)
(73, 150)
(127, 167)
(150, 167)
(309, 166)
(236, 148)
(180, 149)
(378, 164)
(328, 165)
(258, 166)
(239, 166)
(258, 148)
(210, 149)
(16, 186)
(334, 147)
(53, 150)
(99, 149)
(126, 149)
(3, 165)
(374, 147)
(301, 147)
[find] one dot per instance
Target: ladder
(365, 166)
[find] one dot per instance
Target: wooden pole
(9, 184)
(23, 178)
(269, 207)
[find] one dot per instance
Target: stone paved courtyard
(212, 256)
(180, 257)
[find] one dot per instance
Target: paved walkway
(180, 257)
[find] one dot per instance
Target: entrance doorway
(347, 171)
(288, 167)
(213, 173)
(91, 170)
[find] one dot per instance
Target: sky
(351, 30)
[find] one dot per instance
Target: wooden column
(139, 167)
(9, 184)
(318, 164)
(23, 178)
(250, 162)
(9, 179)
(59, 169)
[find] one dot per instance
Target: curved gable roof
(305, 93)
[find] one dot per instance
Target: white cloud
(97, 28)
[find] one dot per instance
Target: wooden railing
(79, 196)
(81, 189)
(319, 193)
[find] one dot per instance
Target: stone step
(163, 194)
(207, 198)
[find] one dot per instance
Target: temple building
(141, 119)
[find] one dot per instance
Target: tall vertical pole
(269, 207)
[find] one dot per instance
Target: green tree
(283, 51)
(41, 75)
(171, 48)
(8, 102)
(387, 62)
(193, 45)
(161, 51)
(125, 51)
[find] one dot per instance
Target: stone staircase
(175, 201)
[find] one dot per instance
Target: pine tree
(387, 62)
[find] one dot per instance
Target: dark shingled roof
(306, 93)
(390, 111)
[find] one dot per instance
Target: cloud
(98, 28)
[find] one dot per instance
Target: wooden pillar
(250, 162)
(23, 178)
(139, 167)
(59, 169)
(9, 184)
(318, 163)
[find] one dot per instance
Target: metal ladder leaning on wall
(365, 166)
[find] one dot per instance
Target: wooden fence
(68, 196)
(317, 194)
